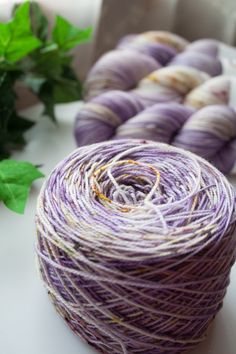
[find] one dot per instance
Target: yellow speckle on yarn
(153, 77)
(115, 319)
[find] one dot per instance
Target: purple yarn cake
(135, 242)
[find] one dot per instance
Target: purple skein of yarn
(135, 243)
(207, 46)
(160, 52)
(100, 117)
(138, 55)
(198, 61)
(118, 72)
(209, 132)
(160, 122)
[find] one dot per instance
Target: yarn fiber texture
(135, 242)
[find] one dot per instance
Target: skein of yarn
(209, 132)
(118, 72)
(122, 68)
(167, 84)
(169, 39)
(213, 91)
(201, 54)
(135, 245)
(100, 117)
(198, 61)
(186, 79)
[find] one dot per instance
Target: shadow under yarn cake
(135, 245)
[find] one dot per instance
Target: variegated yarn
(134, 70)
(212, 92)
(210, 132)
(135, 245)
(136, 56)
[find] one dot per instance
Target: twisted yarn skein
(213, 91)
(211, 132)
(135, 244)
(167, 84)
(186, 79)
(100, 117)
(122, 68)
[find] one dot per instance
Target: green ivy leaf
(46, 96)
(68, 36)
(7, 99)
(66, 94)
(42, 63)
(16, 38)
(65, 90)
(12, 137)
(48, 64)
(12, 126)
(39, 22)
(16, 178)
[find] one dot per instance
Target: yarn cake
(135, 242)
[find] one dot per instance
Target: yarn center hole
(120, 183)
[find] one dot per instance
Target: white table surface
(28, 322)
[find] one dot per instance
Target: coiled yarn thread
(135, 245)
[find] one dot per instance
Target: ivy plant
(41, 60)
